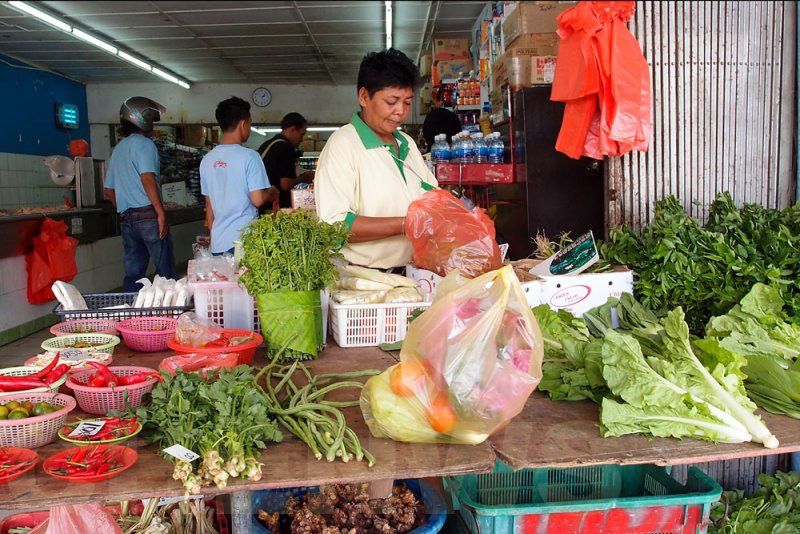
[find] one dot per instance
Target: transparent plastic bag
(195, 331)
(467, 366)
(446, 236)
(89, 517)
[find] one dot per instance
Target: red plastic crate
(474, 173)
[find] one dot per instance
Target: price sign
(87, 428)
(75, 355)
(182, 453)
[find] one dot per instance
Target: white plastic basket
(369, 325)
(225, 303)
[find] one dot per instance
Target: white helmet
(141, 112)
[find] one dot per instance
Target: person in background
(369, 171)
(232, 178)
(440, 121)
(133, 186)
(280, 155)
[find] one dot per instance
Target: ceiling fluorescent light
(135, 60)
(91, 39)
(41, 15)
(388, 17)
(256, 130)
(165, 75)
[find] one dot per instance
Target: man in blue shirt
(133, 186)
(233, 178)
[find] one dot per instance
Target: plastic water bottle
(468, 150)
(496, 149)
(455, 149)
(440, 151)
(481, 148)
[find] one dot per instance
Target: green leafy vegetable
(773, 509)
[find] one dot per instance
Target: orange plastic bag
(446, 236)
(604, 80)
(467, 365)
(89, 517)
(52, 258)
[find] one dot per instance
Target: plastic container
(440, 151)
(481, 148)
(226, 303)
(495, 149)
(100, 307)
(273, 501)
(100, 401)
(246, 351)
(23, 520)
(85, 326)
(147, 334)
(29, 370)
(39, 430)
(99, 342)
(612, 499)
(370, 325)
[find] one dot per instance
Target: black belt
(143, 208)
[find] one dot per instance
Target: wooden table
(565, 434)
(287, 464)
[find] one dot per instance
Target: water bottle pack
(440, 151)
(468, 148)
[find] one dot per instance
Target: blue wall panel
(28, 97)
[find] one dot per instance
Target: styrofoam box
(576, 293)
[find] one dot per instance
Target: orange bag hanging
(52, 258)
(446, 236)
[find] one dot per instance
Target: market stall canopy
(236, 42)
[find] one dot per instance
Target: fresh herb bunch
(226, 421)
(774, 508)
(708, 269)
(290, 252)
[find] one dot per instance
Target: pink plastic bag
(446, 236)
(202, 363)
(89, 517)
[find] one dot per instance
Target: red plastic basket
(39, 430)
(147, 334)
(85, 326)
(100, 401)
(246, 351)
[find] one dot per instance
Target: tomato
(440, 413)
(408, 377)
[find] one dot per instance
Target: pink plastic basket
(39, 430)
(85, 326)
(147, 334)
(100, 401)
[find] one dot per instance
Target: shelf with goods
(309, 160)
(180, 163)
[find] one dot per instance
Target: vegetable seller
(280, 155)
(232, 178)
(133, 186)
(369, 171)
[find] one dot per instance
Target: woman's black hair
(231, 111)
(440, 121)
(388, 68)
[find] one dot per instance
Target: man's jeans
(140, 242)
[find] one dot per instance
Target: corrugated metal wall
(723, 76)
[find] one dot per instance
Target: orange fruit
(441, 415)
(408, 378)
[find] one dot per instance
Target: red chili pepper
(78, 455)
(109, 378)
(97, 381)
(222, 341)
(103, 468)
(49, 367)
(138, 378)
(17, 383)
(56, 374)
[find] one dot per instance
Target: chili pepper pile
(11, 463)
(43, 378)
(105, 378)
(225, 341)
(88, 461)
(114, 428)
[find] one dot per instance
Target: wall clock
(262, 97)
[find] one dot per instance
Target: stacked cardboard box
(450, 56)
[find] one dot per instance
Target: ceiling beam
(317, 49)
(424, 28)
(199, 40)
(427, 35)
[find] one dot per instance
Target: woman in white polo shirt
(369, 171)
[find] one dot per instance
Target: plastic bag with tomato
(195, 331)
(446, 236)
(467, 365)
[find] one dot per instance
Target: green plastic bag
(294, 319)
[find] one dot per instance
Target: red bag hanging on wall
(52, 258)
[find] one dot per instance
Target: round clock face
(262, 97)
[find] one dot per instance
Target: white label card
(87, 428)
(74, 355)
(182, 453)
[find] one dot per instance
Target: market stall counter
(286, 464)
(566, 434)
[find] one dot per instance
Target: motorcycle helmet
(141, 112)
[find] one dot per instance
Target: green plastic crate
(608, 499)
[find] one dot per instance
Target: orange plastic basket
(246, 351)
(39, 430)
(100, 401)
